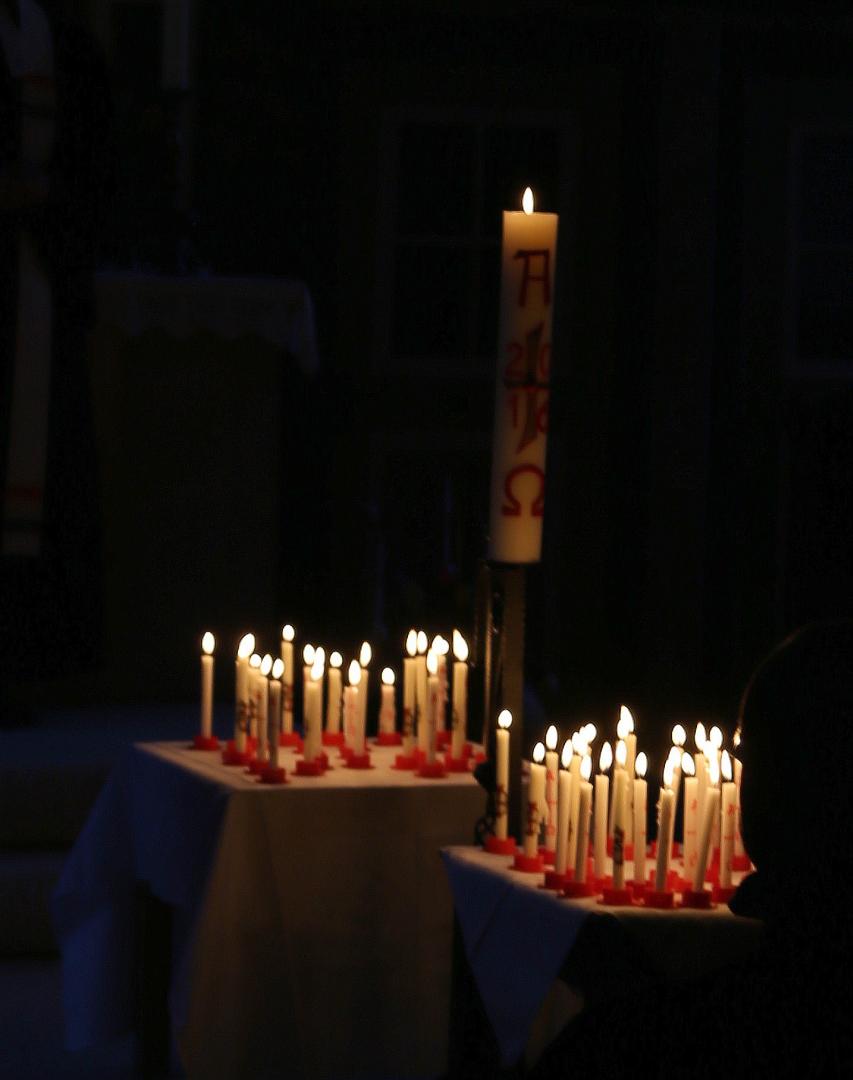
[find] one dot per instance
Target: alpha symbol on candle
(528, 276)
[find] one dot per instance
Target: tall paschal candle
(528, 263)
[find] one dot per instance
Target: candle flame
(266, 664)
(589, 732)
(246, 646)
(460, 646)
(605, 758)
(335, 660)
(287, 632)
(621, 753)
(586, 767)
(254, 660)
(316, 672)
(626, 722)
(432, 662)
(208, 643)
(726, 765)
(278, 668)
(716, 737)
(736, 739)
(366, 654)
(674, 756)
(566, 756)
(320, 656)
(640, 765)
(388, 676)
(354, 673)
(551, 738)
(579, 742)
(440, 645)
(688, 766)
(412, 642)
(679, 735)
(422, 642)
(539, 753)
(308, 655)
(714, 771)
(668, 771)
(700, 736)
(504, 718)
(527, 201)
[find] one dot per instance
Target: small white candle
(441, 647)
(739, 851)
(667, 806)
(409, 696)
(535, 801)
(208, 644)
(564, 802)
(715, 738)
(626, 720)
(584, 808)
(254, 691)
(502, 773)
(701, 764)
(354, 721)
(621, 755)
(241, 712)
(460, 695)
(263, 688)
(602, 789)
(313, 712)
(640, 787)
(274, 721)
(365, 655)
(421, 693)
(287, 636)
(620, 811)
(675, 755)
(579, 746)
(552, 764)
(727, 826)
(433, 704)
(388, 709)
(691, 814)
(333, 700)
(308, 654)
(712, 811)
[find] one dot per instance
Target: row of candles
(563, 802)
(264, 702)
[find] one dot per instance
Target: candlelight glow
(460, 646)
(254, 660)
(551, 738)
(504, 718)
(566, 756)
(440, 645)
(320, 656)
(287, 632)
(422, 642)
(316, 671)
(246, 646)
(626, 722)
(539, 753)
(589, 731)
(668, 770)
(208, 643)
(388, 676)
(716, 737)
(726, 766)
(278, 668)
(736, 739)
(586, 767)
(621, 753)
(605, 758)
(579, 742)
(700, 736)
(688, 766)
(308, 654)
(679, 735)
(266, 664)
(432, 663)
(527, 201)
(714, 771)
(335, 660)
(366, 654)
(640, 765)
(412, 642)
(354, 673)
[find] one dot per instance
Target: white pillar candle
(274, 718)
(263, 687)
(579, 748)
(433, 704)
(388, 708)
(254, 691)
(691, 815)
(460, 695)
(441, 647)
(621, 756)
(564, 801)
(602, 790)
(739, 851)
(625, 731)
(715, 738)
(409, 696)
(502, 773)
(353, 716)
(313, 713)
(700, 763)
(667, 805)
(535, 801)
(711, 811)
(364, 657)
(421, 693)
(676, 788)
(528, 256)
(727, 822)
(333, 699)
(620, 810)
(584, 807)
(552, 764)
(308, 655)
(208, 644)
(287, 636)
(241, 672)
(640, 786)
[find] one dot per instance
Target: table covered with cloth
(519, 936)
(311, 930)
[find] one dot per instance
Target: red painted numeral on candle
(512, 506)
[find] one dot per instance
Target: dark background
(699, 497)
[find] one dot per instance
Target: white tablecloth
(517, 937)
(312, 921)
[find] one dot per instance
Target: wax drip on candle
(460, 647)
(287, 632)
(246, 646)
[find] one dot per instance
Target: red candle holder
(741, 863)
(309, 768)
(453, 764)
(578, 890)
(601, 883)
(256, 766)
(232, 756)
(479, 757)
(638, 888)
(405, 761)
(432, 770)
(389, 738)
(528, 864)
(272, 775)
(495, 846)
(205, 742)
(548, 856)
(674, 881)
(359, 761)
(616, 897)
(555, 881)
(701, 900)
(721, 894)
(664, 900)
(290, 738)
(333, 738)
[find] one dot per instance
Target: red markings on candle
(512, 506)
(529, 277)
